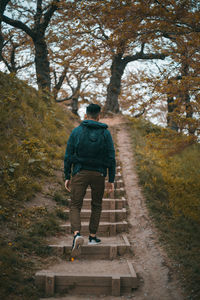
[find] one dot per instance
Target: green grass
(33, 136)
(168, 166)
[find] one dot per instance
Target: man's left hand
(67, 185)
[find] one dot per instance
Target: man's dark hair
(93, 110)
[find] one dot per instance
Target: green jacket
(71, 166)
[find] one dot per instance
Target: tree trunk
(42, 64)
(189, 114)
(117, 69)
(114, 87)
(74, 105)
(1, 41)
(187, 102)
(171, 106)
(3, 4)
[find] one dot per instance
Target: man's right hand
(110, 187)
(67, 184)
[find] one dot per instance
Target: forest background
(136, 56)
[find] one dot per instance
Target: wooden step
(119, 192)
(107, 203)
(118, 168)
(110, 247)
(88, 278)
(115, 215)
(118, 176)
(118, 183)
(105, 228)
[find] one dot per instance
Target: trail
(150, 260)
(157, 281)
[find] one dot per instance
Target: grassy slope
(33, 134)
(169, 170)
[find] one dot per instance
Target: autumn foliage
(79, 47)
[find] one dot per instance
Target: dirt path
(157, 282)
(150, 261)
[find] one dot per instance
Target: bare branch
(6, 63)
(3, 4)
(141, 55)
(142, 48)
(64, 99)
(75, 90)
(140, 113)
(38, 14)
(158, 2)
(49, 13)
(103, 33)
(69, 83)
(60, 81)
(19, 24)
(25, 66)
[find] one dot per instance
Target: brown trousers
(79, 184)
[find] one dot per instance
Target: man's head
(93, 112)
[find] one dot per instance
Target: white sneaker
(76, 245)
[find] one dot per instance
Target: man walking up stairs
(90, 152)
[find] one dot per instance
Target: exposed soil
(157, 281)
(150, 261)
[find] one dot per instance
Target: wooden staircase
(100, 269)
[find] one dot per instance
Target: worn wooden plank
(113, 229)
(84, 290)
(114, 215)
(121, 226)
(118, 176)
(126, 241)
(119, 183)
(81, 285)
(88, 280)
(50, 285)
(105, 228)
(121, 249)
(112, 204)
(117, 203)
(40, 281)
(113, 252)
(116, 286)
(133, 275)
(93, 252)
(119, 192)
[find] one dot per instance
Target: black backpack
(91, 148)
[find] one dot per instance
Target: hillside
(33, 133)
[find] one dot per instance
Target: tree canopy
(79, 47)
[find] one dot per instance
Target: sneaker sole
(77, 246)
(89, 243)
